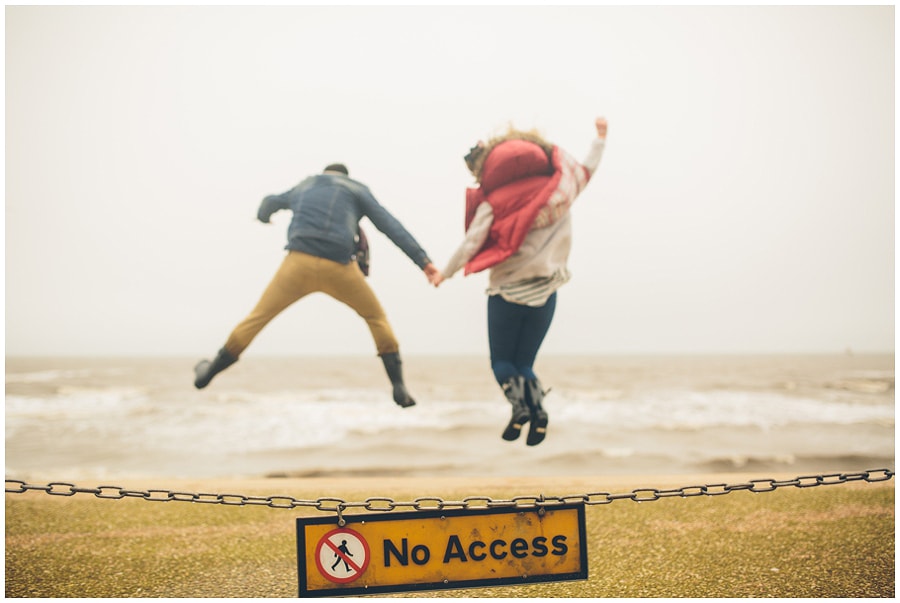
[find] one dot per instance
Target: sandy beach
(834, 540)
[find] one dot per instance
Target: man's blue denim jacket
(327, 209)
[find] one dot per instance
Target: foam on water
(126, 420)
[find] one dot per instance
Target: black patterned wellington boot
(514, 389)
(539, 419)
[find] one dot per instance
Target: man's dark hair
(338, 167)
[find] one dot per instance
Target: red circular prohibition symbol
(345, 561)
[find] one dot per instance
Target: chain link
(430, 503)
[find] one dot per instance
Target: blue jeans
(515, 334)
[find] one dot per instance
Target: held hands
(434, 275)
(601, 124)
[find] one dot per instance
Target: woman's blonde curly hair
(479, 155)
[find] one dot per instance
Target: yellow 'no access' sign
(431, 550)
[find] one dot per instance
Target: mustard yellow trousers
(301, 274)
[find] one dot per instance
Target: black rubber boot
(514, 389)
(206, 370)
(534, 395)
(393, 366)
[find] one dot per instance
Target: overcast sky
(745, 201)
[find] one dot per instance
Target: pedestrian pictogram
(440, 549)
(342, 555)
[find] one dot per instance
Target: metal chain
(429, 503)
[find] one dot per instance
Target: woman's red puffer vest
(517, 180)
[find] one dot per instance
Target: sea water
(106, 418)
